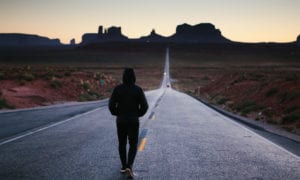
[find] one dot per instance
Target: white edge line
(67, 104)
(47, 127)
(262, 137)
(246, 128)
(52, 125)
(251, 131)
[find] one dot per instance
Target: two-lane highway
(180, 138)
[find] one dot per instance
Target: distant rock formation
(298, 40)
(72, 42)
(88, 38)
(200, 33)
(17, 39)
(153, 37)
(112, 34)
(185, 33)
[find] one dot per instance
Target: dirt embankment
(266, 95)
(23, 87)
(30, 86)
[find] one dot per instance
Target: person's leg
(122, 136)
(133, 136)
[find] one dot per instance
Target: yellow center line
(153, 117)
(142, 144)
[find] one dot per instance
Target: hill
(17, 39)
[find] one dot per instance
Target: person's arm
(113, 103)
(143, 105)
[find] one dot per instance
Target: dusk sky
(238, 20)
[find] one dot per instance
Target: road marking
(143, 134)
(253, 132)
(101, 102)
(142, 144)
(47, 127)
(152, 115)
(142, 140)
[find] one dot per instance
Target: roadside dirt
(30, 86)
(25, 87)
(265, 94)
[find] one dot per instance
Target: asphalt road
(180, 138)
(21, 121)
(188, 140)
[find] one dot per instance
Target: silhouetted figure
(128, 103)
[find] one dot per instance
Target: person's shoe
(129, 173)
(123, 170)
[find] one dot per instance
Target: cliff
(200, 33)
(112, 34)
(185, 33)
(153, 37)
(16, 39)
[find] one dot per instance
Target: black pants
(130, 131)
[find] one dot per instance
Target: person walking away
(128, 103)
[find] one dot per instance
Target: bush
(5, 105)
(248, 77)
(67, 73)
(290, 118)
(291, 109)
(94, 93)
(291, 77)
(86, 97)
(205, 78)
(90, 96)
(244, 104)
(27, 77)
(22, 82)
(86, 85)
(48, 76)
(271, 92)
(255, 77)
(247, 106)
(109, 90)
(223, 100)
(56, 84)
(97, 76)
(2, 76)
(59, 75)
(289, 96)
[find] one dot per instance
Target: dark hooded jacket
(128, 101)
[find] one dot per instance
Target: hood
(128, 76)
